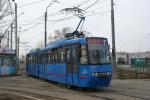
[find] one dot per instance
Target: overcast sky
(132, 21)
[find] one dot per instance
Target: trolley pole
(113, 40)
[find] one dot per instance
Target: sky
(132, 21)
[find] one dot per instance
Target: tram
(83, 62)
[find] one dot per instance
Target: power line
(97, 13)
(86, 1)
(33, 19)
(92, 5)
(38, 18)
(30, 27)
(32, 3)
(95, 3)
(99, 8)
(62, 19)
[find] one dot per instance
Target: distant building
(125, 58)
(122, 57)
(138, 55)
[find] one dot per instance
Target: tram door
(72, 58)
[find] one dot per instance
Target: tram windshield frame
(95, 52)
(98, 51)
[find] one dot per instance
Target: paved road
(28, 88)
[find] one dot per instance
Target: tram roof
(63, 42)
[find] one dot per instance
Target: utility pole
(16, 38)
(11, 34)
(18, 54)
(46, 21)
(8, 40)
(45, 28)
(113, 40)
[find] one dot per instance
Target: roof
(63, 42)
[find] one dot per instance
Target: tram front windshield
(98, 51)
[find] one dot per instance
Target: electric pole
(16, 39)
(18, 54)
(11, 34)
(46, 21)
(113, 40)
(8, 40)
(45, 28)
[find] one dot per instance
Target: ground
(30, 88)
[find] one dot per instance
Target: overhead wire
(32, 3)
(91, 5)
(99, 8)
(22, 31)
(62, 19)
(78, 5)
(96, 13)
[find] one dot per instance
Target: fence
(133, 72)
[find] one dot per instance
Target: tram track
(31, 95)
(55, 90)
(83, 93)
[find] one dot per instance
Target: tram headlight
(96, 74)
(108, 73)
(93, 74)
(101, 74)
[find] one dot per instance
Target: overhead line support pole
(11, 34)
(8, 40)
(113, 40)
(45, 28)
(16, 39)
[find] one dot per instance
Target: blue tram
(7, 62)
(82, 62)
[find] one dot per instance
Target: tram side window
(55, 56)
(61, 55)
(49, 57)
(68, 54)
(75, 57)
(30, 59)
(40, 59)
(83, 59)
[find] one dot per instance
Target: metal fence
(129, 71)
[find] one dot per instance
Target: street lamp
(46, 20)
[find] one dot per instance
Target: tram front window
(98, 51)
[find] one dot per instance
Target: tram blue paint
(59, 72)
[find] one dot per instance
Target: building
(125, 58)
